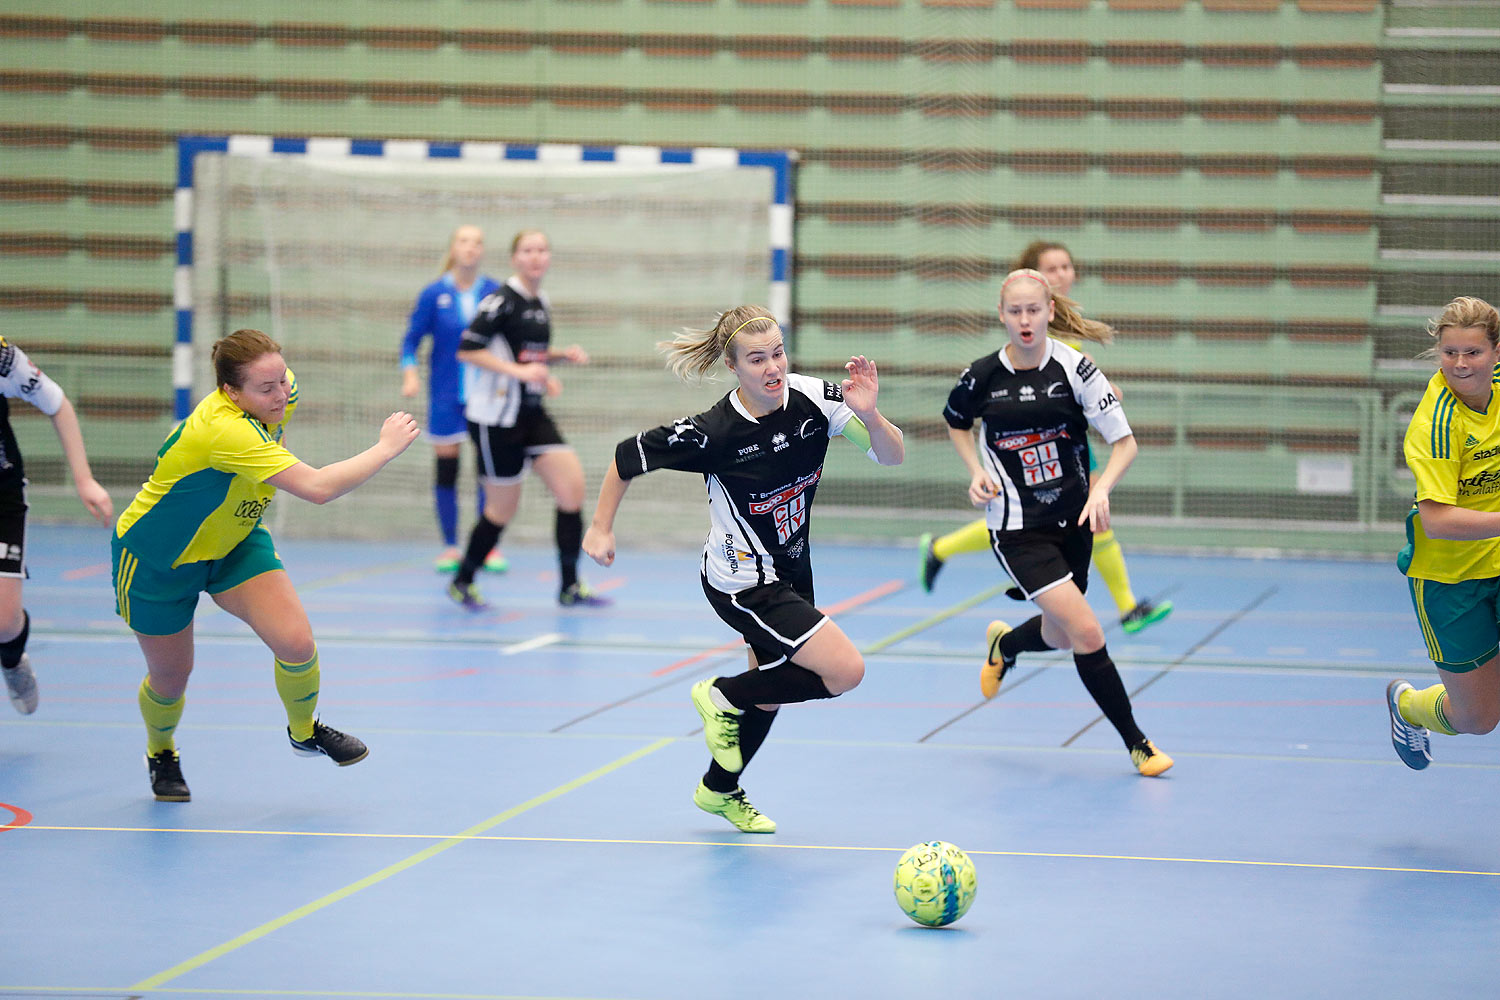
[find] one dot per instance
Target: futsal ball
(935, 883)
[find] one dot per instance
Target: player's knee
(846, 676)
(1088, 639)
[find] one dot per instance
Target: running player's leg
(161, 698)
(1458, 624)
(972, 537)
(719, 791)
(15, 665)
(559, 468)
(269, 604)
(15, 624)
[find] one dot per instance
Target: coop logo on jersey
(778, 441)
(1086, 369)
(833, 392)
(781, 496)
(1018, 441)
(1040, 464)
(685, 432)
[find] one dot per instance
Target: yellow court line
(386, 872)
(475, 833)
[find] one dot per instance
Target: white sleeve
(829, 397)
(1100, 407)
(20, 378)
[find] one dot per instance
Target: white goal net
(327, 255)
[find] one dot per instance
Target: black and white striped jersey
(20, 378)
(1034, 432)
(761, 476)
(514, 327)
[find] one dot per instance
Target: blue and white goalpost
(325, 243)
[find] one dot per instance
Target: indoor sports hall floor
(524, 826)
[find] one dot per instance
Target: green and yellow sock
(161, 716)
(974, 537)
(1425, 708)
(297, 683)
(1110, 561)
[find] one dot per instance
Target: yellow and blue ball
(935, 883)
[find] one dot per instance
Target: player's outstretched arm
(861, 393)
(95, 497)
(599, 541)
(332, 481)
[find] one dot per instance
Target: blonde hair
(1466, 310)
(694, 355)
(1068, 321)
(233, 353)
(447, 264)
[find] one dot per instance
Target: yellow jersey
(1455, 454)
(207, 491)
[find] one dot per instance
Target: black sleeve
(683, 444)
(963, 401)
(492, 316)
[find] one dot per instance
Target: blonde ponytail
(694, 355)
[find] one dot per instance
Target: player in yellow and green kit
(1452, 554)
(1056, 262)
(195, 527)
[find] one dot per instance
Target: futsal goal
(325, 243)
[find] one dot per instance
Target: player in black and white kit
(760, 451)
(509, 345)
(1034, 401)
(20, 378)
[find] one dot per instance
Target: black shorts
(776, 619)
(504, 453)
(13, 509)
(1039, 559)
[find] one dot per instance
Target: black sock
(1024, 638)
(1098, 673)
(10, 652)
(485, 535)
(787, 684)
(569, 543)
(754, 725)
(447, 472)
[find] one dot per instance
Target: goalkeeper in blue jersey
(443, 311)
(1452, 554)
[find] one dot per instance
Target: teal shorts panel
(155, 601)
(1458, 621)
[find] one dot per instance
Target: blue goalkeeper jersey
(444, 313)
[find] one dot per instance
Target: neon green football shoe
(721, 728)
(1143, 614)
(735, 808)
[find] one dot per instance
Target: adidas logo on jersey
(1471, 442)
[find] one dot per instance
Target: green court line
(941, 616)
(400, 866)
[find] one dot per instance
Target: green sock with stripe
(161, 716)
(1425, 708)
(297, 684)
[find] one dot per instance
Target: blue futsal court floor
(524, 825)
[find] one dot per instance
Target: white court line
(536, 642)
